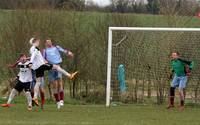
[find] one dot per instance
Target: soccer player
(39, 65)
(24, 81)
(52, 55)
(41, 89)
(181, 70)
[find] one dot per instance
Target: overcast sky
(101, 2)
(107, 2)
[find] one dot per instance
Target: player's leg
(27, 89)
(56, 93)
(12, 95)
(42, 93)
(59, 69)
(39, 75)
(33, 85)
(50, 91)
(52, 79)
(50, 84)
(58, 79)
(171, 97)
(14, 92)
(60, 89)
(36, 90)
(182, 85)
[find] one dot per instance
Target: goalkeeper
(181, 70)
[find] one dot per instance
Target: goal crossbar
(110, 39)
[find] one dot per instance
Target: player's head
(22, 57)
(175, 55)
(35, 41)
(48, 42)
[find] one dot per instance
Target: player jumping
(52, 55)
(24, 81)
(39, 65)
(181, 70)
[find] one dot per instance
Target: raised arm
(185, 61)
(14, 65)
(67, 52)
(60, 49)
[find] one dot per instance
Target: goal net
(141, 56)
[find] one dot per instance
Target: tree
(120, 5)
(153, 6)
(78, 5)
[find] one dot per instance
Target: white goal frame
(110, 40)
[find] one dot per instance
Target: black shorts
(26, 86)
(40, 71)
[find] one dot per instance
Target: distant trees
(178, 7)
(43, 4)
(23, 4)
(78, 5)
(128, 6)
(153, 6)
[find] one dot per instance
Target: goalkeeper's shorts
(179, 81)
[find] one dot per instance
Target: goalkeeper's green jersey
(179, 65)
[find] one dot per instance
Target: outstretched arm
(67, 52)
(14, 65)
(189, 63)
(185, 61)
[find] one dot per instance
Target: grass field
(99, 115)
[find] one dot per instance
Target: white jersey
(36, 58)
(25, 73)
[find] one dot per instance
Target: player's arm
(189, 63)
(13, 65)
(185, 61)
(65, 51)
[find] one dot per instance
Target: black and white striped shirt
(25, 73)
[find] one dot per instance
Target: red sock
(62, 95)
(56, 97)
(42, 98)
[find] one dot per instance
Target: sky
(107, 2)
(101, 2)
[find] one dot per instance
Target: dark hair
(176, 52)
(52, 40)
(48, 38)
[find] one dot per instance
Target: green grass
(99, 115)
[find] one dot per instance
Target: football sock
(42, 98)
(59, 69)
(13, 93)
(29, 98)
(61, 95)
(36, 89)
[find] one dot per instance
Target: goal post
(110, 47)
